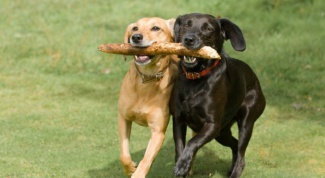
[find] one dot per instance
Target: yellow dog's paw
(129, 168)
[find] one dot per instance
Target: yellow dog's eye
(155, 28)
(135, 29)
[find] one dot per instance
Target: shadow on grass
(207, 164)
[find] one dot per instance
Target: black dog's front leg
(205, 135)
(179, 133)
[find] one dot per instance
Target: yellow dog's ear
(170, 25)
(127, 35)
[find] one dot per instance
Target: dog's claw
(179, 173)
(181, 169)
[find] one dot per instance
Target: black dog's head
(197, 30)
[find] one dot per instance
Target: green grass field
(58, 93)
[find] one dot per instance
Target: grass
(58, 93)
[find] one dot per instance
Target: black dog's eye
(207, 28)
(135, 29)
(189, 23)
(155, 28)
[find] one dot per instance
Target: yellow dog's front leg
(154, 145)
(125, 157)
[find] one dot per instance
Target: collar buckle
(192, 75)
(197, 75)
(159, 76)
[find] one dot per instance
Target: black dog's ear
(177, 28)
(231, 31)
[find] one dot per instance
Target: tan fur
(146, 103)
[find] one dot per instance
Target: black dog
(211, 95)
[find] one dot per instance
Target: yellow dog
(145, 91)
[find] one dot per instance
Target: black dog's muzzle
(192, 41)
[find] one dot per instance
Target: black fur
(210, 105)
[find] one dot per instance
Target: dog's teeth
(190, 59)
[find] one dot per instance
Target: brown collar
(196, 75)
(147, 78)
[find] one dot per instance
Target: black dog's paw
(182, 168)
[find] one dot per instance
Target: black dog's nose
(137, 38)
(189, 40)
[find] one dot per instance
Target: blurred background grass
(58, 93)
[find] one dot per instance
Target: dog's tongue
(142, 58)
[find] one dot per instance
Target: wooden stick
(159, 48)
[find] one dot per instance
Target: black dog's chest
(193, 110)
